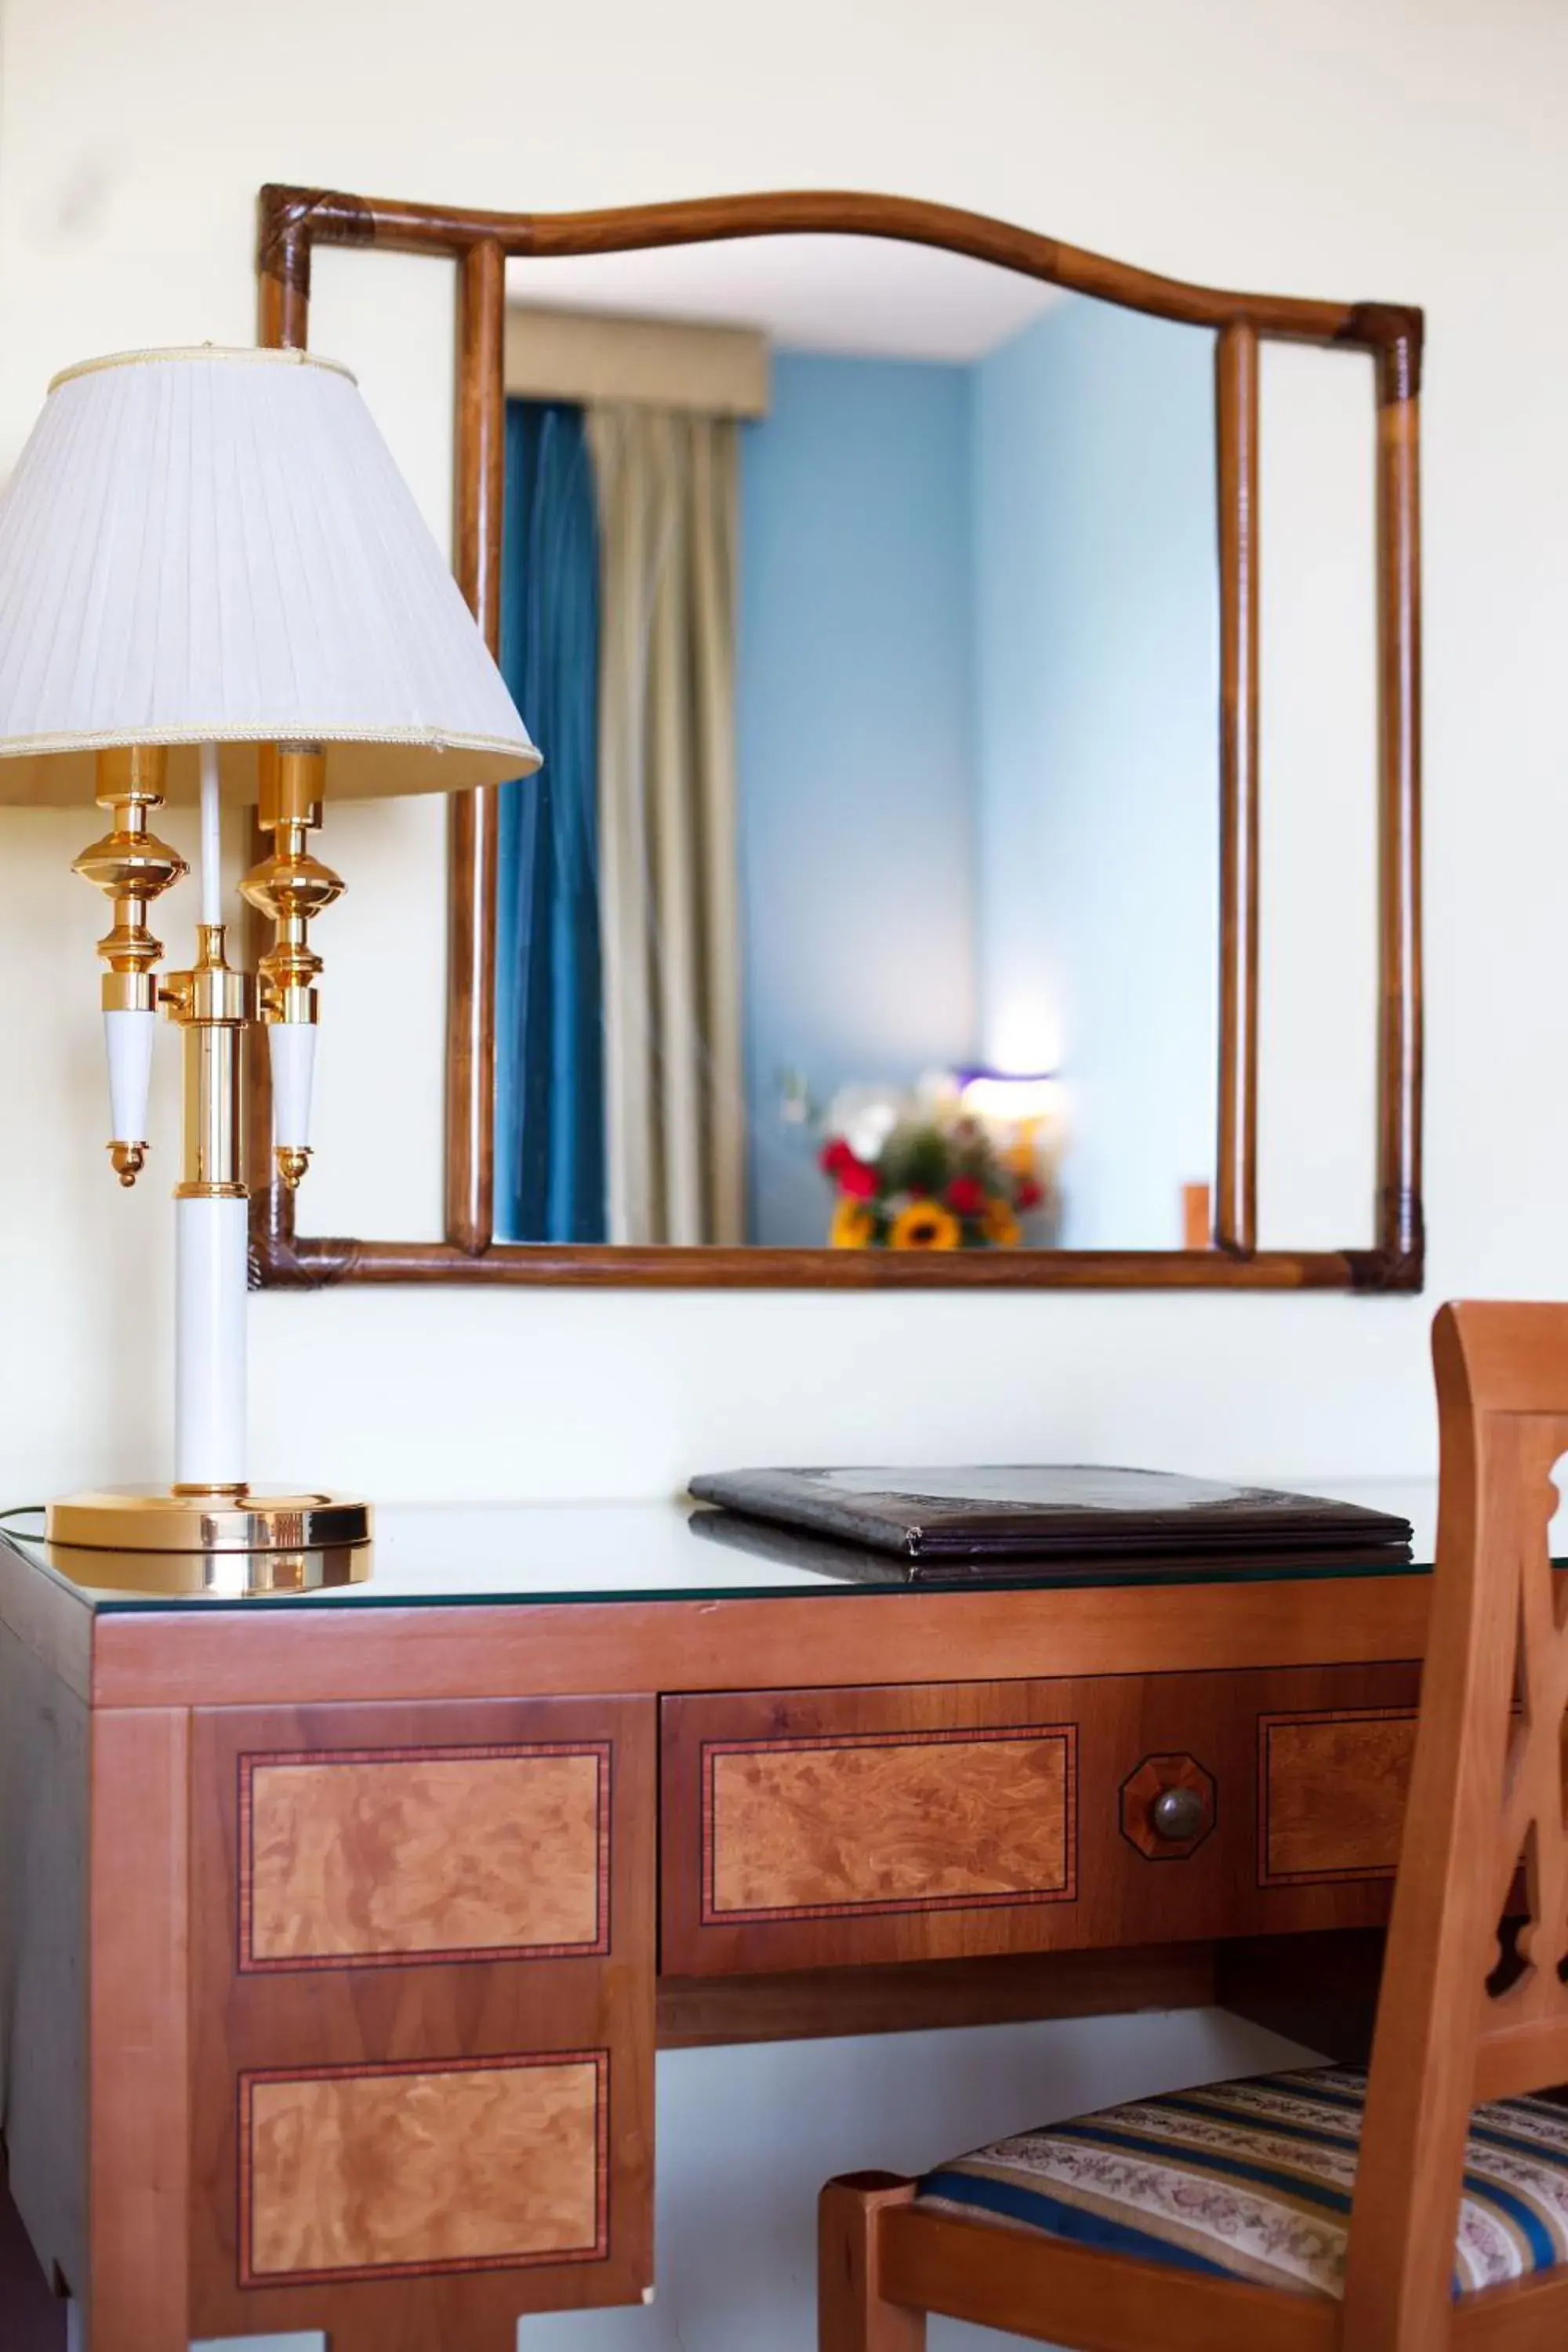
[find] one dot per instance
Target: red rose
(835, 1154)
(855, 1178)
(966, 1196)
(1029, 1194)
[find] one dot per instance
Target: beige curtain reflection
(668, 497)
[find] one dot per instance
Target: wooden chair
(1470, 2013)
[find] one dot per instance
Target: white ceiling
(862, 294)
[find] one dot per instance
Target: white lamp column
(211, 1240)
(211, 1206)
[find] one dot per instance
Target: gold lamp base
(229, 1546)
(222, 1520)
(211, 1575)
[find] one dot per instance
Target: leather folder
(986, 1516)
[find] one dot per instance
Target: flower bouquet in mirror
(920, 1171)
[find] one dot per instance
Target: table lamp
(215, 584)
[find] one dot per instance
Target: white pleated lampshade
(216, 546)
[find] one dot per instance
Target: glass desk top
(531, 1553)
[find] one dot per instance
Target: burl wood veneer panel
(1332, 1794)
(886, 1822)
(382, 1857)
(399, 2171)
(830, 1829)
(412, 2156)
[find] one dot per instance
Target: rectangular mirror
(882, 587)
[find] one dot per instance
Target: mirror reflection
(863, 601)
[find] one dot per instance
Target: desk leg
(138, 2031)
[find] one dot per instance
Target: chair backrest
(1468, 2014)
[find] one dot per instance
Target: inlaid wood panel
(384, 1857)
(1331, 1794)
(921, 1823)
(412, 2155)
(886, 1822)
(406, 2170)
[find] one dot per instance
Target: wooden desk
(337, 1933)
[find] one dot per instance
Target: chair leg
(852, 2315)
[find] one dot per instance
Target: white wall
(1408, 149)
(1358, 147)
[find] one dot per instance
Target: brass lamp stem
(133, 867)
(213, 1004)
(290, 887)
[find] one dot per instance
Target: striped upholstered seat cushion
(1253, 2180)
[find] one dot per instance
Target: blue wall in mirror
(978, 750)
(976, 794)
(1096, 647)
(857, 744)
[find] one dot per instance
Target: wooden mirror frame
(294, 220)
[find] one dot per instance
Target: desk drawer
(817, 1829)
(422, 2015)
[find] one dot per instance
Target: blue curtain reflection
(550, 1139)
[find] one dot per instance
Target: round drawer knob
(1178, 1814)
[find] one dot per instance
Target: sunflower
(853, 1227)
(926, 1225)
(999, 1225)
